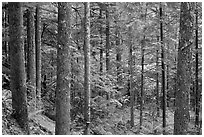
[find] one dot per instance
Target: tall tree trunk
(31, 65)
(132, 95)
(5, 33)
(18, 75)
(163, 69)
(107, 39)
(142, 77)
(101, 42)
(167, 76)
(142, 71)
(181, 115)
(157, 81)
(63, 70)
(119, 52)
(87, 90)
(197, 96)
(38, 55)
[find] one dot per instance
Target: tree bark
(157, 81)
(181, 115)
(107, 39)
(18, 75)
(38, 55)
(142, 79)
(101, 42)
(87, 89)
(163, 69)
(31, 65)
(197, 96)
(142, 71)
(63, 70)
(132, 94)
(119, 52)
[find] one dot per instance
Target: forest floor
(116, 123)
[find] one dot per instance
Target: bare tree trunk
(181, 115)
(119, 52)
(18, 75)
(107, 39)
(157, 81)
(142, 71)
(101, 42)
(63, 70)
(132, 94)
(142, 77)
(197, 96)
(87, 89)
(163, 70)
(38, 55)
(31, 65)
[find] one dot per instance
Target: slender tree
(38, 54)
(181, 115)
(101, 41)
(107, 39)
(119, 51)
(142, 71)
(5, 32)
(142, 79)
(132, 95)
(157, 81)
(163, 69)
(63, 70)
(87, 90)
(197, 95)
(18, 75)
(31, 64)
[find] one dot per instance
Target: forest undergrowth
(116, 122)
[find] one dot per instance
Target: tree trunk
(142, 71)
(38, 55)
(5, 34)
(107, 39)
(181, 115)
(119, 53)
(197, 96)
(87, 90)
(142, 77)
(101, 42)
(132, 95)
(157, 81)
(18, 75)
(163, 70)
(63, 70)
(31, 65)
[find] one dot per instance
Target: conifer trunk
(132, 95)
(197, 106)
(163, 70)
(31, 64)
(181, 115)
(87, 89)
(18, 75)
(63, 70)
(107, 39)
(38, 55)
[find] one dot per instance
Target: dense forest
(101, 68)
